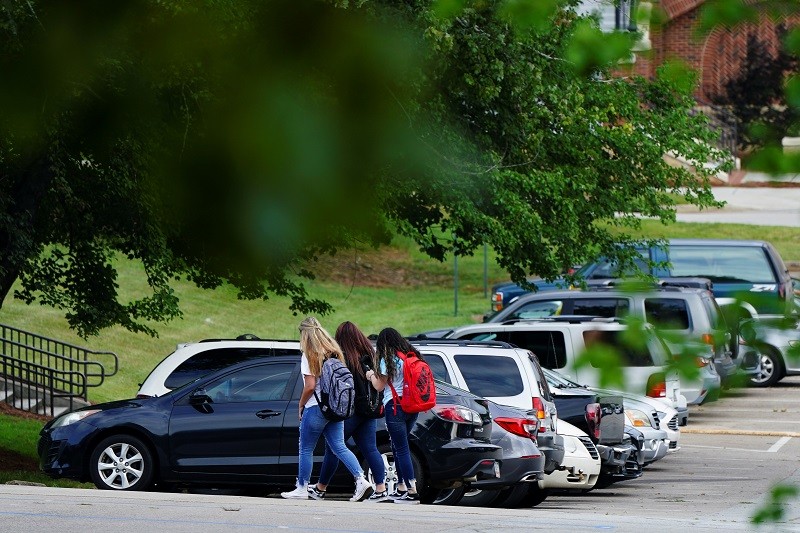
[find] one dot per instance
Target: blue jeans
(363, 432)
(312, 425)
(399, 426)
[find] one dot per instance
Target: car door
(232, 427)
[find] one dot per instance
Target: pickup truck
(751, 271)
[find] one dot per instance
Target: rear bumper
(551, 446)
(614, 458)
(464, 461)
(513, 471)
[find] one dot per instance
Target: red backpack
(419, 390)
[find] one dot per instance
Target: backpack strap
(395, 397)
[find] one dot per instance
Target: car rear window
(667, 313)
(629, 355)
(549, 346)
(438, 367)
(209, 361)
(722, 263)
(490, 375)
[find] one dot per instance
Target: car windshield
(562, 382)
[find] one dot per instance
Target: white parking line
(772, 449)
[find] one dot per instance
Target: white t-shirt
(305, 369)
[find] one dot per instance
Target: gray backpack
(337, 391)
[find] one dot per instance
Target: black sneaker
(315, 493)
(397, 494)
(378, 497)
(408, 497)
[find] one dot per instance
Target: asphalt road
(732, 452)
(762, 206)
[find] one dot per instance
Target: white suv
(193, 360)
(559, 342)
(510, 376)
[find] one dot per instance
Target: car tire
(480, 498)
(511, 497)
(771, 368)
(122, 462)
(426, 493)
(535, 496)
(450, 496)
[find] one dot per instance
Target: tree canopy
(236, 141)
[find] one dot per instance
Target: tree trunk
(19, 241)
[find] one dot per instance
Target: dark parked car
(752, 271)
(239, 426)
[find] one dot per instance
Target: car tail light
(593, 415)
(657, 386)
(457, 414)
(538, 407)
(524, 427)
(497, 301)
(707, 338)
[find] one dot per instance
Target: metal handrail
(55, 361)
(35, 342)
(33, 386)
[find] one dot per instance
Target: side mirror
(200, 397)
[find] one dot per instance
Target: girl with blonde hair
(317, 346)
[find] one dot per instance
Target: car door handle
(266, 413)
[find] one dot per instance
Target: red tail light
(524, 427)
(657, 386)
(707, 338)
(593, 415)
(538, 407)
(457, 414)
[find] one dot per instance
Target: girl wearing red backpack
(389, 379)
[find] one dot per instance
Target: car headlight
(71, 418)
(637, 418)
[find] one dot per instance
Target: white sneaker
(299, 493)
(364, 490)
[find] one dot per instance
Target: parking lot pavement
(732, 453)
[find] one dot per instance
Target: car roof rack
(662, 284)
(570, 319)
(459, 342)
(248, 337)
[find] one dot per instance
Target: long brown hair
(389, 343)
(317, 344)
(354, 345)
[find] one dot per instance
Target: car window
(667, 313)
(722, 263)
(254, 384)
(544, 389)
(209, 361)
(715, 315)
(605, 307)
(287, 351)
(549, 346)
(606, 269)
(490, 375)
(438, 367)
(537, 310)
(629, 355)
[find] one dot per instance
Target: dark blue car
(752, 271)
(239, 426)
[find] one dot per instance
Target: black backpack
(369, 402)
(337, 391)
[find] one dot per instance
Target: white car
(581, 466)
(194, 360)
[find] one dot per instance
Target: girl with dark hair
(358, 353)
(399, 423)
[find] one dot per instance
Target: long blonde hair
(317, 344)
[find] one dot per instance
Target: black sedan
(239, 426)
